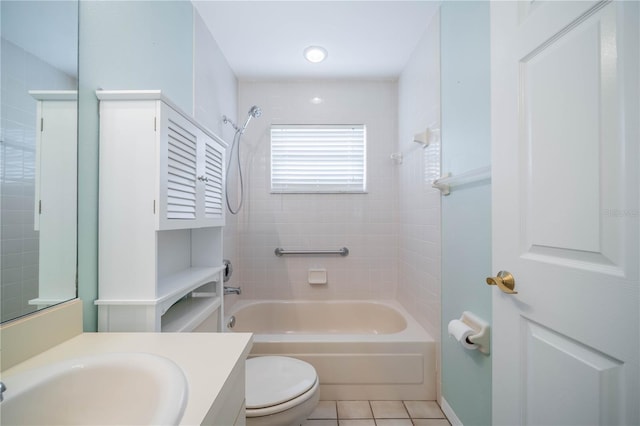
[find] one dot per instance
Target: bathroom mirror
(38, 155)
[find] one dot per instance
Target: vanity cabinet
(160, 215)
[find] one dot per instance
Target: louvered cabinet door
(212, 180)
(178, 170)
(191, 174)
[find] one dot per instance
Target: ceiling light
(316, 100)
(315, 54)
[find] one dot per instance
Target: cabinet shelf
(173, 287)
(188, 313)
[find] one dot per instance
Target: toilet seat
(276, 383)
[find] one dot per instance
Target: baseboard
(448, 411)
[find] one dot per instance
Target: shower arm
(254, 112)
(227, 120)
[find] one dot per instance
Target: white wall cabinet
(161, 215)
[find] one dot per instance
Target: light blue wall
(123, 45)
(466, 213)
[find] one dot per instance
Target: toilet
(280, 391)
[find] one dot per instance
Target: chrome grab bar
(282, 252)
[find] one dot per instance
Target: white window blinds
(318, 158)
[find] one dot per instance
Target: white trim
(54, 95)
(451, 415)
(154, 95)
(194, 13)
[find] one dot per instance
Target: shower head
(256, 112)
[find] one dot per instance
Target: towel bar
(446, 182)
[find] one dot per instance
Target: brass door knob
(504, 281)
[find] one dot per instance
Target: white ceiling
(365, 39)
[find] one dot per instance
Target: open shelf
(175, 286)
(188, 313)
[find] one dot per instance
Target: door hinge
(39, 206)
(155, 128)
(41, 124)
(154, 206)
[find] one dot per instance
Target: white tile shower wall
(365, 223)
(215, 95)
(21, 72)
(419, 204)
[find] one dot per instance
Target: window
(318, 158)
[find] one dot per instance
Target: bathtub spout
(232, 290)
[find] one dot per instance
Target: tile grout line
(375, 420)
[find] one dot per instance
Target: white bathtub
(361, 349)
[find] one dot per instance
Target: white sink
(105, 389)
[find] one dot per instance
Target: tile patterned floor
(377, 413)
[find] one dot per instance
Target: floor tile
(424, 410)
(325, 422)
(354, 410)
(359, 422)
(431, 422)
(389, 410)
(393, 422)
(325, 410)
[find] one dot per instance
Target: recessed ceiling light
(315, 54)
(316, 100)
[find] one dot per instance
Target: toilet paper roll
(460, 331)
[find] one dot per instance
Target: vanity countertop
(207, 359)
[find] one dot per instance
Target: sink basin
(105, 389)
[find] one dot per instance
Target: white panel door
(565, 212)
(56, 177)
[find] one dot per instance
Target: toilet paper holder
(482, 337)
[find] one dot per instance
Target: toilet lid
(273, 380)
